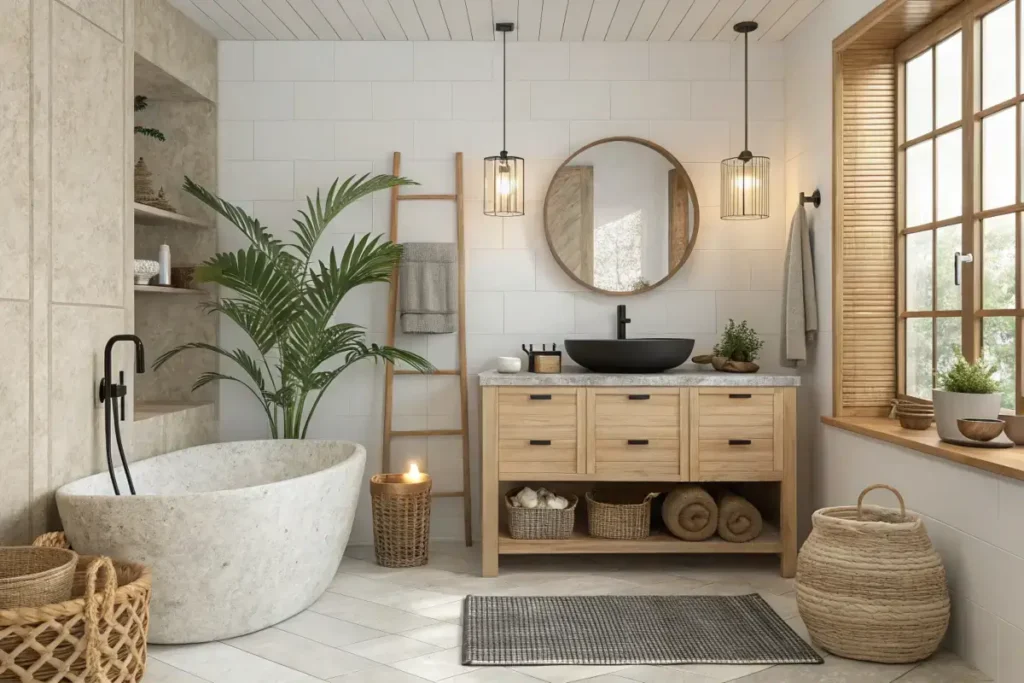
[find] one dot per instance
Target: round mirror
(621, 215)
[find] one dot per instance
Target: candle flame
(414, 471)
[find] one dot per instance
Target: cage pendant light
(745, 177)
(504, 191)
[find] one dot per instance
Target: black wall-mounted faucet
(110, 393)
(621, 318)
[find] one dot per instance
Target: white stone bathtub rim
(66, 489)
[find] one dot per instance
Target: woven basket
(870, 585)
(540, 523)
(99, 636)
(401, 520)
(625, 521)
(32, 577)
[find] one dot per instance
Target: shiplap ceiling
(546, 20)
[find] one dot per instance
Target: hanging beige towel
(690, 513)
(799, 302)
(738, 520)
(429, 285)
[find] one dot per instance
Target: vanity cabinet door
(738, 434)
(539, 432)
(636, 433)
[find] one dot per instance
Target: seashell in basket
(145, 270)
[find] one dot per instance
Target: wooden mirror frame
(689, 186)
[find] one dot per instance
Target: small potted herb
(967, 391)
(738, 349)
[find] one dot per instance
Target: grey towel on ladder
(428, 281)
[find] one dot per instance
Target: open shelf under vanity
(659, 542)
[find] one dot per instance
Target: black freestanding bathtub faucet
(110, 393)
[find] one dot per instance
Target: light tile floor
(377, 625)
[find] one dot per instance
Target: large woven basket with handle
(99, 636)
(870, 585)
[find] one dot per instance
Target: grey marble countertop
(578, 377)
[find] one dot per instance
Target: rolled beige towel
(738, 520)
(690, 513)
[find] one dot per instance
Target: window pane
(919, 357)
(999, 159)
(919, 95)
(998, 262)
(1000, 349)
(998, 56)
(949, 175)
(947, 242)
(919, 271)
(919, 184)
(948, 80)
(947, 342)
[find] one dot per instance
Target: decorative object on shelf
(297, 300)
(509, 365)
(978, 429)
(912, 414)
(616, 514)
(703, 359)
(504, 175)
(144, 193)
(164, 259)
(1014, 428)
(98, 635)
(745, 177)
(142, 102)
(739, 521)
(548, 517)
(161, 202)
(870, 585)
(32, 576)
(967, 390)
(547, 362)
(738, 349)
(145, 270)
(183, 277)
(401, 517)
(690, 513)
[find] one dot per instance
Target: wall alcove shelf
(148, 215)
(164, 289)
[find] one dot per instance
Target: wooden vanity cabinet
(638, 434)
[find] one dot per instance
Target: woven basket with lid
(870, 585)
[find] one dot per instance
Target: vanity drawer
(736, 460)
(539, 413)
(528, 457)
(637, 458)
(737, 413)
(633, 413)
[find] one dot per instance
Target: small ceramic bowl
(509, 364)
(145, 271)
(980, 429)
(915, 421)
(1014, 428)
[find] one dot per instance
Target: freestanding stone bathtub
(239, 535)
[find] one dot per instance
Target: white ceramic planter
(951, 406)
(239, 535)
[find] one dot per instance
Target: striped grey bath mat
(628, 629)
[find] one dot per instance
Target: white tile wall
(285, 134)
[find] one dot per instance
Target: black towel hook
(813, 199)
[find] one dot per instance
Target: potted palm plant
(966, 391)
(285, 303)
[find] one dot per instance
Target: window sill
(1008, 462)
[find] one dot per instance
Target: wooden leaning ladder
(390, 371)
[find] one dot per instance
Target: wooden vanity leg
(489, 482)
(787, 498)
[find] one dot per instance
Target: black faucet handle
(123, 392)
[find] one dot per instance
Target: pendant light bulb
(504, 174)
(745, 177)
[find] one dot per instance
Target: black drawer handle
(540, 397)
(540, 442)
(740, 396)
(639, 397)
(638, 442)
(739, 442)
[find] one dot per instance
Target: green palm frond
(250, 227)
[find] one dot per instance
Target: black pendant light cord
(746, 93)
(504, 87)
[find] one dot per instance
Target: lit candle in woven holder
(401, 517)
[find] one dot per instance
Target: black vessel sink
(629, 355)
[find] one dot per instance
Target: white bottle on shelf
(165, 265)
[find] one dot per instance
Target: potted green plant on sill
(285, 303)
(738, 349)
(967, 390)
